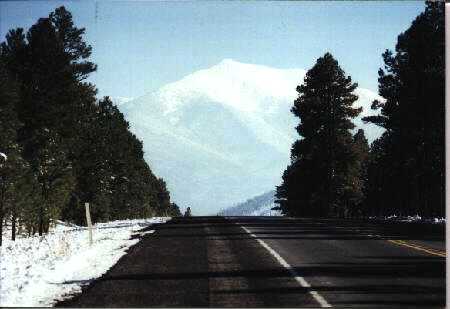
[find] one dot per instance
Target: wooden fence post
(89, 222)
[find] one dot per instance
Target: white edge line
(319, 298)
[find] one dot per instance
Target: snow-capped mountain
(222, 134)
(260, 205)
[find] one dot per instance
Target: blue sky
(142, 45)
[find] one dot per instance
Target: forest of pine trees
(333, 173)
(59, 145)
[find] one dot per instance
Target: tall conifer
(412, 83)
(315, 182)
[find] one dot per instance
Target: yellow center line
(419, 248)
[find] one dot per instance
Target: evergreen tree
(188, 213)
(9, 148)
(315, 184)
(64, 146)
(111, 172)
(380, 191)
(412, 83)
(17, 182)
(174, 210)
(54, 176)
(357, 176)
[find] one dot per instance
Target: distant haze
(260, 205)
(222, 135)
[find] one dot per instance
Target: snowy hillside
(258, 206)
(222, 134)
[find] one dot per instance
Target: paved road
(276, 262)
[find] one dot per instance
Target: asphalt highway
(276, 262)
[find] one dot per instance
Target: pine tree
(188, 212)
(17, 182)
(9, 125)
(64, 146)
(412, 83)
(54, 176)
(315, 182)
(174, 210)
(357, 176)
(380, 189)
(49, 66)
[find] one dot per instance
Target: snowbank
(415, 219)
(38, 271)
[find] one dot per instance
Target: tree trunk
(13, 226)
(46, 226)
(41, 221)
(1, 223)
(41, 210)
(2, 195)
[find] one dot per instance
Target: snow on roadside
(38, 271)
(411, 219)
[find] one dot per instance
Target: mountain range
(260, 205)
(223, 134)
